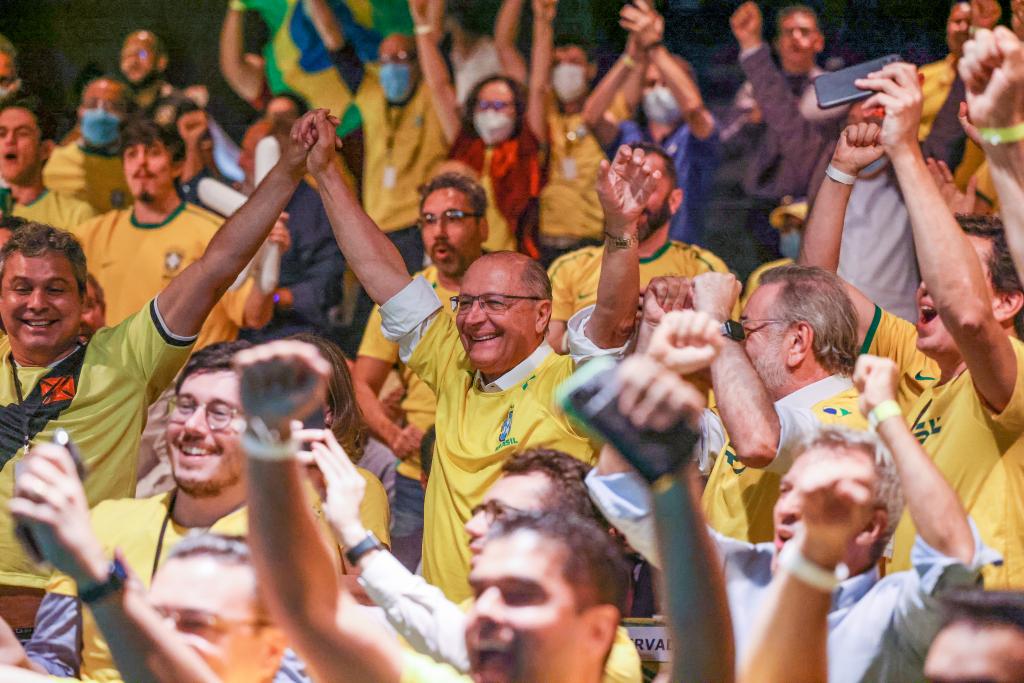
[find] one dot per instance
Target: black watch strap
(356, 552)
(733, 330)
(115, 582)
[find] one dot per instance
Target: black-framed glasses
(219, 415)
(752, 326)
(447, 216)
(205, 624)
(496, 511)
(491, 303)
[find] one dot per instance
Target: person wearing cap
(788, 218)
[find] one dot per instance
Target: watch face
(733, 330)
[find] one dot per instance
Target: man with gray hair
(838, 506)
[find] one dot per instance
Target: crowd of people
(814, 475)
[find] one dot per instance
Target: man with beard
(143, 62)
(453, 224)
(574, 277)
(136, 251)
(24, 148)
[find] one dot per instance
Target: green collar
(151, 226)
(38, 199)
(658, 254)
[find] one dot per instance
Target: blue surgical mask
(789, 244)
(100, 127)
(396, 79)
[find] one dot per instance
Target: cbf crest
(504, 439)
(172, 261)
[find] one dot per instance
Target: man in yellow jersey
(549, 588)
(135, 252)
(89, 168)
(490, 367)
(960, 388)
(24, 148)
(453, 223)
(575, 276)
(209, 475)
(99, 391)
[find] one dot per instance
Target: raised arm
(506, 32)
(243, 72)
(858, 147)
(280, 382)
(541, 56)
(623, 185)
(627, 69)
(933, 505)
(367, 250)
(326, 24)
(50, 501)
(957, 285)
(993, 71)
(434, 70)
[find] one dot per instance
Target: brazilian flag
(297, 61)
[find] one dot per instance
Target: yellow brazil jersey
(419, 403)
(892, 337)
(477, 432)
(754, 281)
(54, 208)
(94, 178)
(125, 368)
(135, 261)
(575, 275)
(938, 79)
(403, 145)
(738, 500)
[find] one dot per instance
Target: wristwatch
(732, 329)
(114, 582)
(356, 552)
(626, 242)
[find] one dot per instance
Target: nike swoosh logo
(922, 378)
(584, 297)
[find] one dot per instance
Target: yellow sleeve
(711, 261)
(439, 355)
(1011, 419)
(893, 337)
(562, 290)
(623, 663)
(374, 344)
(417, 668)
(374, 511)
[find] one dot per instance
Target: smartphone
(28, 540)
(591, 398)
(836, 89)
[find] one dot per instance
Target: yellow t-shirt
(134, 262)
(569, 206)
(892, 337)
(500, 236)
(419, 404)
(754, 281)
(126, 367)
(402, 147)
(938, 80)
(477, 432)
(94, 178)
(738, 500)
(575, 275)
(56, 209)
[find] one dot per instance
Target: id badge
(569, 168)
(390, 177)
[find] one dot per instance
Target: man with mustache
(574, 277)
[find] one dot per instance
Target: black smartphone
(836, 89)
(591, 398)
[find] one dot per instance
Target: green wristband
(1002, 136)
(882, 412)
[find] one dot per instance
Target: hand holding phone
(837, 88)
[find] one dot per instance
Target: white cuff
(580, 347)
(838, 176)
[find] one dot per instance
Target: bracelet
(882, 412)
(840, 177)
(424, 29)
(618, 242)
(816, 576)
(628, 61)
(237, 6)
(1000, 136)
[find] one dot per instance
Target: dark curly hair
(35, 239)
(566, 474)
(213, 358)
(518, 96)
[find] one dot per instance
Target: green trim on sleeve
(870, 336)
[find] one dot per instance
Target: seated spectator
(673, 116)
(139, 249)
(788, 218)
(575, 276)
(24, 149)
(981, 640)
(89, 168)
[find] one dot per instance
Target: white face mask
(569, 81)
(660, 106)
(493, 126)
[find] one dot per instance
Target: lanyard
(163, 530)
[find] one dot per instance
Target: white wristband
(423, 29)
(793, 561)
(840, 177)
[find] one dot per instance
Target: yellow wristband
(882, 412)
(1000, 136)
(237, 6)
(628, 62)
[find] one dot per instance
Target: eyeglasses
(491, 303)
(449, 216)
(496, 511)
(219, 415)
(398, 58)
(496, 105)
(752, 326)
(206, 625)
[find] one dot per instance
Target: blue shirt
(880, 629)
(695, 161)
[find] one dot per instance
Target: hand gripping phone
(836, 89)
(24, 534)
